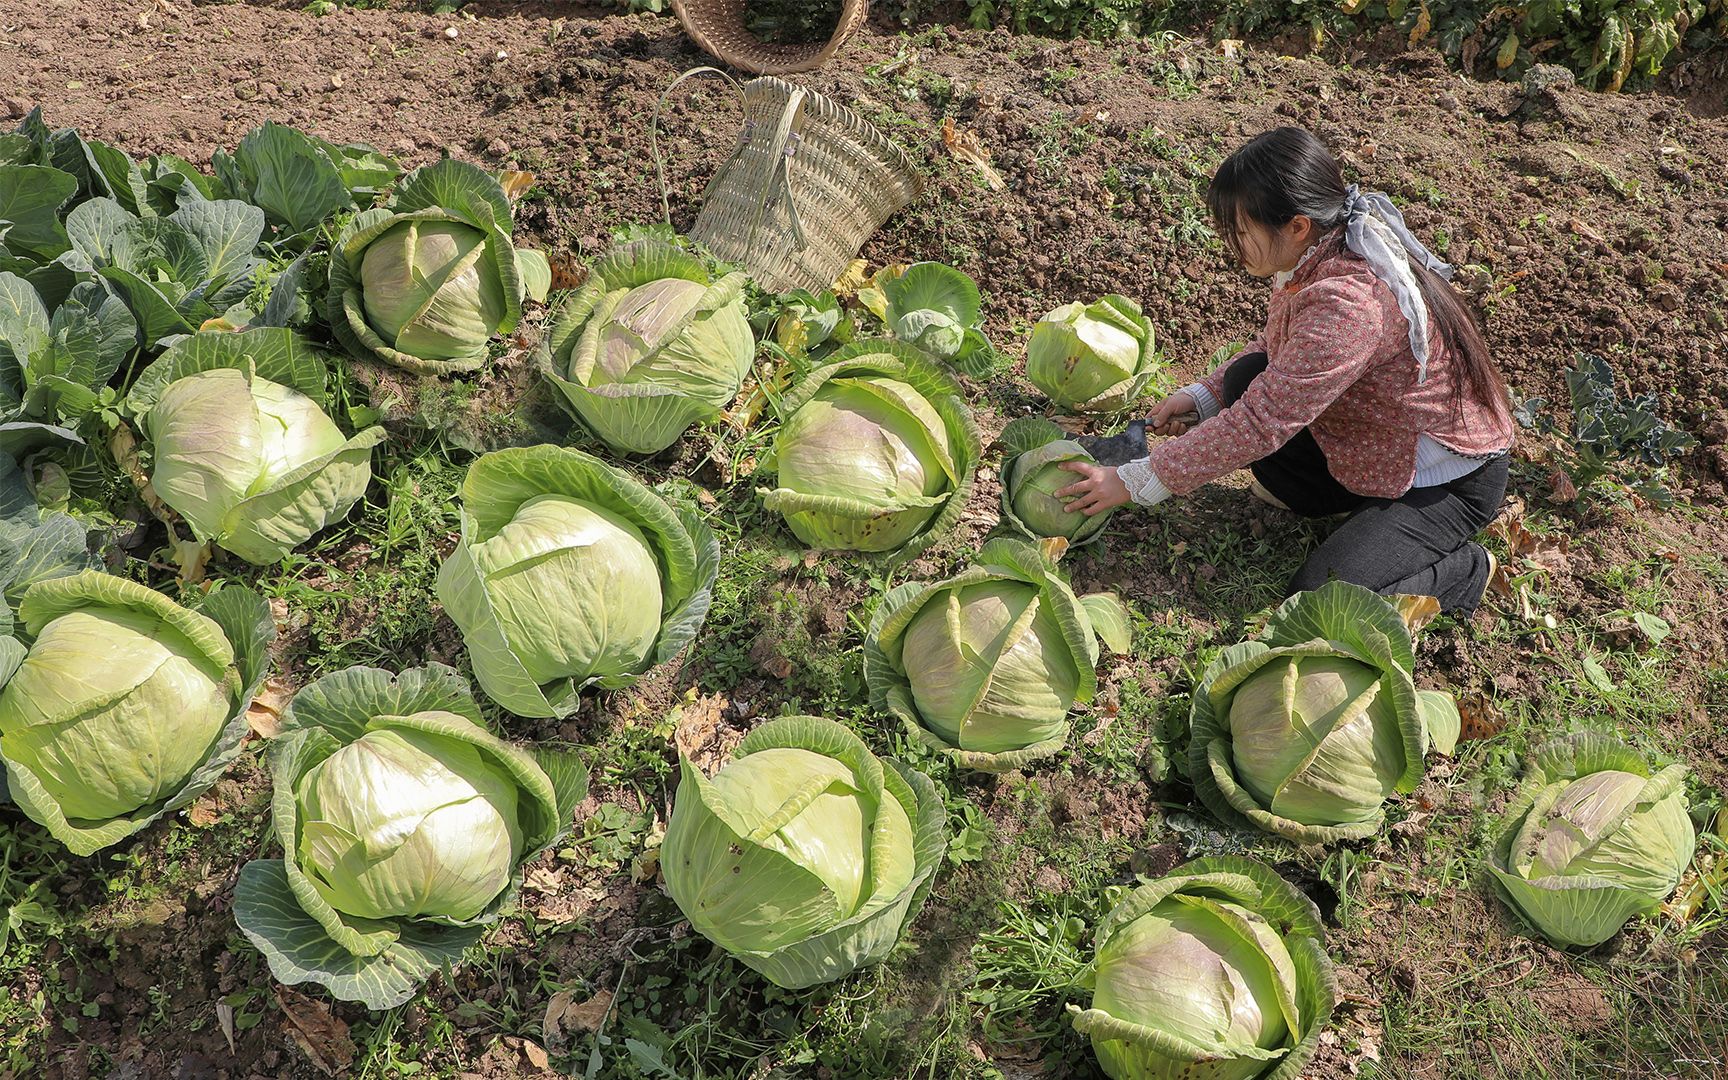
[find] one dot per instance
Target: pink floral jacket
(1339, 364)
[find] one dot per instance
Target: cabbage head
(649, 346)
(1096, 357)
(986, 666)
(1307, 730)
(571, 573)
(1593, 838)
(426, 283)
(125, 706)
(1217, 971)
(876, 452)
(938, 309)
(1033, 453)
(241, 445)
(805, 856)
(404, 827)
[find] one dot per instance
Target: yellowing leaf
(515, 183)
(1424, 23)
(1508, 51)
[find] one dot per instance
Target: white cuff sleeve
(1142, 483)
(1204, 402)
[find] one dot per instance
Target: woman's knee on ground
(1242, 371)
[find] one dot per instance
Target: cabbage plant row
(405, 823)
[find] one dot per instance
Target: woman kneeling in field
(1370, 392)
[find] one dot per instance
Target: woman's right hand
(1175, 414)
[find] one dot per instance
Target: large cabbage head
(241, 446)
(986, 665)
(1309, 729)
(123, 704)
(1033, 453)
(426, 283)
(649, 346)
(570, 573)
(806, 855)
(404, 826)
(1216, 971)
(1096, 357)
(876, 452)
(1593, 839)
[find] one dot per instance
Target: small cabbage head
(1593, 839)
(1033, 453)
(124, 704)
(570, 573)
(938, 309)
(251, 462)
(404, 826)
(1215, 971)
(987, 665)
(426, 283)
(1095, 357)
(876, 452)
(1308, 730)
(806, 855)
(649, 346)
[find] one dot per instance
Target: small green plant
(1610, 433)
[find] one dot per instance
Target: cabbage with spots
(1096, 357)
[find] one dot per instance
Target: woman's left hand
(1100, 490)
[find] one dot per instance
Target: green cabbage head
(1306, 731)
(1217, 971)
(242, 448)
(426, 283)
(986, 666)
(1033, 453)
(125, 705)
(1593, 839)
(649, 346)
(404, 825)
(571, 573)
(876, 452)
(1096, 357)
(806, 855)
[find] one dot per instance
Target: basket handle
(654, 134)
(788, 138)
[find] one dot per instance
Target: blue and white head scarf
(1375, 230)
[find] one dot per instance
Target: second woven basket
(718, 27)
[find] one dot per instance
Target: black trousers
(1420, 542)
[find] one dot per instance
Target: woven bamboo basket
(807, 184)
(718, 27)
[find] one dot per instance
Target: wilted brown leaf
(317, 1031)
(1561, 488)
(1416, 611)
(698, 719)
(1478, 718)
(567, 273)
(515, 183)
(966, 147)
(264, 715)
(536, 1054)
(205, 811)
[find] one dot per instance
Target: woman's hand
(1100, 490)
(1175, 414)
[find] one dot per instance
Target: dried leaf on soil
(318, 1032)
(1479, 718)
(966, 147)
(1416, 611)
(264, 716)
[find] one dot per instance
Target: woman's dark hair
(1287, 171)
